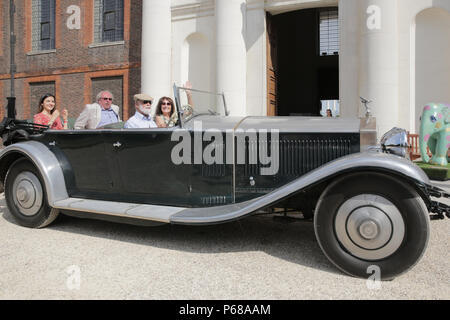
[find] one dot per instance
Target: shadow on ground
(292, 240)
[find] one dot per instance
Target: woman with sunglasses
(165, 115)
(48, 114)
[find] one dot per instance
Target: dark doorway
(307, 66)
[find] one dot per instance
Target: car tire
(26, 196)
(368, 222)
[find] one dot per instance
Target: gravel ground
(255, 258)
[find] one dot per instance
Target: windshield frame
(182, 120)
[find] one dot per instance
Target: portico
(223, 46)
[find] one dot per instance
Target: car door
(86, 162)
(145, 170)
(148, 174)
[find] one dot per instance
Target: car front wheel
(26, 197)
(371, 220)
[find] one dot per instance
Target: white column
(156, 48)
(231, 53)
(379, 61)
(256, 82)
(349, 19)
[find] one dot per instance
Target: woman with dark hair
(48, 114)
(165, 115)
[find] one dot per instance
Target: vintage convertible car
(369, 204)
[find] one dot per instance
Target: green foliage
(435, 172)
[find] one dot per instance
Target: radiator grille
(215, 169)
(297, 157)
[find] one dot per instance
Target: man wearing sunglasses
(98, 114)
(142, 118)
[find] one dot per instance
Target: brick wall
(77, 66)
(2, 32)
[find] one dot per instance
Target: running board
(165, 214)
(120, 209)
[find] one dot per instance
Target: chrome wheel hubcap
(27, 193)
(368, 229)
(369, 226)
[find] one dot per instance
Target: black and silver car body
(369, 207)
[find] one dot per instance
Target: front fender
(371, 160)
(367, 161)
(44, 160)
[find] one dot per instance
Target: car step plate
(129, 210)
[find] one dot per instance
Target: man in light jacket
(99, 113)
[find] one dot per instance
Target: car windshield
(192, 102)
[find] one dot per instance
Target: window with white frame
(328, 32)
(108, 20)
(43, 25)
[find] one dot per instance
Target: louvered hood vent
(297, 157)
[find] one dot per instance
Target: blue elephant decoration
(435, 133)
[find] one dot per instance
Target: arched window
(196, 61)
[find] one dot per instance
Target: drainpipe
(12, 38)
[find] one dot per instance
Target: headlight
(395, 141)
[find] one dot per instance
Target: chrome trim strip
(47, 164)
(359, 160)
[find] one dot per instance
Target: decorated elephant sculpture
(435, 133)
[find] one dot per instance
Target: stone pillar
(378, 70)
(156, 48)
(231, 53)
(350, 17)
(256, 59)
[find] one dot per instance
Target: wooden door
(271, 48)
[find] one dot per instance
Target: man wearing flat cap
(142, 118)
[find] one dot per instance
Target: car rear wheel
(372, 219)
(26, 197)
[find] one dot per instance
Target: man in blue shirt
(142, 118)
(98, 114)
